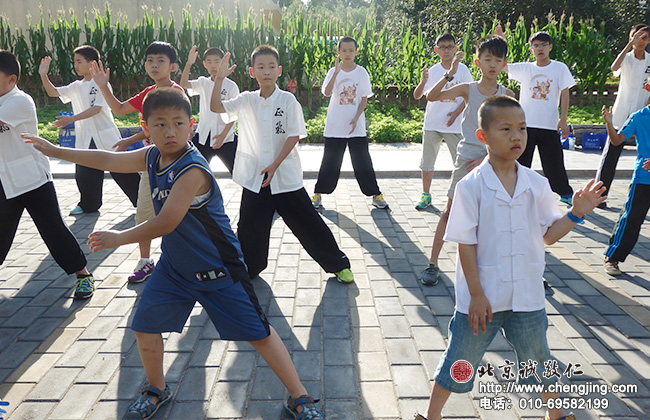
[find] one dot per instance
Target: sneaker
(316, 200)
(425, 201)
(602, 205)
(567, 199)
(418, 416)
(308, 410)
(345, 276)
(569, 416)
(77, 210)
(611, 267)
(84, 286)
(379, 202)
(142, 271)
(431, 275)
(548, 290)
(144, 407)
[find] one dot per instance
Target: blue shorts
(525, 331)
(168, 300)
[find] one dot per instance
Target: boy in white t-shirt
(268, 167)
(26, 182)
(632, 65)
(348, 86)
(440, 117)
(213, 137)
(94, 128)
(502, 216)
(545, 86)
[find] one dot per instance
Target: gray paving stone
(402, 351)
(77, 402)
(337, 352)
(32, 411)
(54, 384)
(339, 382)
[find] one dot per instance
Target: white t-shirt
(22, 168)
(210, 122)
(85, 94)
(631, 94)
(508, 232)
(435, 114)
(264, 126)
(540, 91)
(349, 88)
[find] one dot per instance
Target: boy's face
(446, 50)
(490, 65)
(7, 83)
(540, 49)
(158, 66)
(643, 40)
(265, 70)
(212, 63)
(347, 51)
(506, 135)
(169, 129)
(81, 65)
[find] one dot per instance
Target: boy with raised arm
(267, 166)
(213, 137)
(201, 259)
(502, 216)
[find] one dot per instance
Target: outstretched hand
(103, 240)
(191, 57)
(588, 197)
(98, 74)
(40, 144)
(607, 114)
(454, 64)
(44, 67)
(224, 70)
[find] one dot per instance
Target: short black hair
(165, 98)
(88, 52)
(487, 112)
(347, 39)
(639, 27)
(213, 51)
(494, 44)
(265, 50)
(9, 64)
(542, 36)
(160, 47)
(445, 37)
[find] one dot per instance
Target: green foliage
(586, 114)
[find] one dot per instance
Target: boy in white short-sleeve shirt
(94, 128)
(348, 86)
(26, 182)
(545, 86)
(267, 165)
(440, 117)
(213, 136)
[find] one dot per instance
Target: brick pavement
(368, 349)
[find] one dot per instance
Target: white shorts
(431, 145)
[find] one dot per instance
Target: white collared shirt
(22, 167)
(85, 94)
(264, 127)
(210, 122)
(508, 232)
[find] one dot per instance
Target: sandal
(308, 412)
(144, 407)
(569, 416)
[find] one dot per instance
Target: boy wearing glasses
(545, 85)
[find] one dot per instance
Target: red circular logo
(461, 371)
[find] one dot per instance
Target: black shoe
(602, 205)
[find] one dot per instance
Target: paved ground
(368, 349)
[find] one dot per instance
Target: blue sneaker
(567, 199)
(77, 210)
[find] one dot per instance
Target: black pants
(330, 167)
(627, 229)
(551, 155)
(43, 206)
(295, 208)
(608, 162)
(90, 183)
(226, 152)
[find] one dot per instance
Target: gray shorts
(144, 211)
(431, 140)
(460, 170)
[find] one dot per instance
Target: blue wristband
(575, 219)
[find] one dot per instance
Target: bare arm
(289, 144)
(564, 112)
(43, 68)
(614, 136)
(185, 76)
(192, 183)
(480, 310)
(101, 79)
(224, 71)
(621, 56)
(330, 85)
(419, 89)
(437, 93)
(219, 138)
(128, 162)
(123, 144)
(355, 119)
(63, 120)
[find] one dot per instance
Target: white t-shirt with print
(540, 91)
(210, 123)
(85, 94)
(349, 88)
(264, 126)
(631, 94)
(509, 236)
(22, 167)
(435, 114)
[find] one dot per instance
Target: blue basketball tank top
(203, 246)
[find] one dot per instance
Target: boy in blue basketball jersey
(201, 257)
